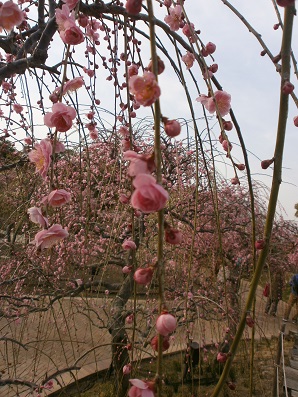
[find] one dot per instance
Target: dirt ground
(205, 375)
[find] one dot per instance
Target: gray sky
(252, 82)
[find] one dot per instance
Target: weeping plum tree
(95, 177)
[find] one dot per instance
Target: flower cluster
(221, 101)
(144, 88)
(10, 15)
(69, 32)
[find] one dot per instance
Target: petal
(143, 179)
(139, 383)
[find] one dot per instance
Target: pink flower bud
(285, 3)
(133, 6)
(172, 127)
(18, 108)
(165, 343)
(213, 68)
(126, 269)
(241, 167)
(204, 52)
(129, 245)
(249, 321)
(126, 369)
(288, 88)
(235, 181)
(28, 140)
(123, 198)
(260, 244)
(221, 138)
(295, 119)
(276, 26)
(226, 145)
(166, 323)
(143, 276)
(160, 66)
(210, 48)
(173, 236)
(227, 125)
(221, 357)
(54, 97)
(129, 319)
(266, 163)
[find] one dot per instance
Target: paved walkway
(73, 334)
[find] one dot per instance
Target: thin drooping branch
(276, 181)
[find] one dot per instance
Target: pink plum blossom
(61, 117)
(173, 236)
(221, 98)
(144, 88)
(10, 15)
(71, 3)
(17, 108)
(123, 198)
(133, 70)
(59, 147)
(126, 269)
(129, 245)
(143, 276)
(94, 134)
(69, 32)
(63, 15)
(222, 357)
(141, 389)
(149, 196)
(73, 85)
(126, 369)
(174, 18)
(165, 343)
(189, 31)
(139, 163)
(188, 59)
(41, 156)
(260, 244)
(166, 323)
(58, 197)
(47, 238)
(129, 319)
(83, 20)
(72, 34)
(35, 216)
